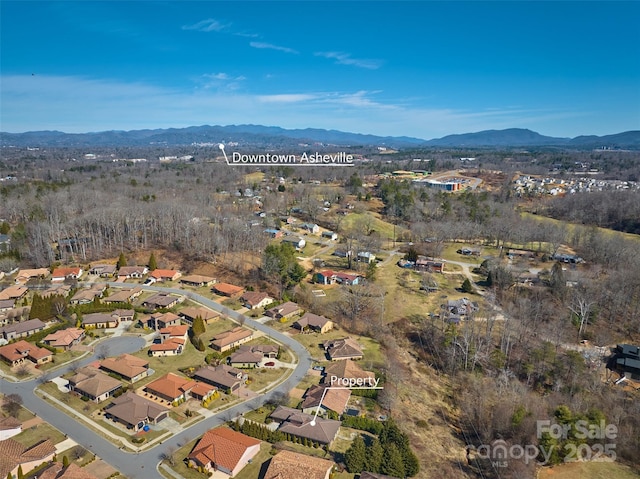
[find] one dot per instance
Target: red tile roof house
(313, 323)
(9, 427)
(171, 388)
(22, 329)
(18, 352)
(60, 274)
(223, 449)
(135, 411)
(64, 339)
(333, 277)
(230, 339)
(126, 366)
(256, 299)
(14, 455)
(345, 348)
(165, 274)
(284, 310)
(226, 289)
(288, 464)
(94, 384)
(172, 341)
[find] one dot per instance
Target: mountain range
(261, 136)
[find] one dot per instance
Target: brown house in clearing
(226, 289)
(197, 280)
(161, 300)
(288, 464)
(345, 348)
(256, 299)
(223, 377)
(297, 423)
(135, 411)
(310, 322)
(189, 315)
(127, 366)
(332, 400)
(284, 310)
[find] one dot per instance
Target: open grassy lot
(588, 470)
(32, 435)
(262, 377)
(373, 222)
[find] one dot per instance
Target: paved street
(144, 465)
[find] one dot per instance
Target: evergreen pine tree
(153, 264)
(199, 326)
(65, 461)
(20, 473)
(122, 261)
(374, 456)
(466, 286)
(356, 456)
(392, 463)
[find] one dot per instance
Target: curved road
(143, 465)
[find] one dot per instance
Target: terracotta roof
(22, 349)
(288, 464)
(13, 292)
(164, 273)
(202, 389)
(64, 272)
(125, 365)
(226, 288)
(170, 344)
(223, 447)
(231, 336)
(63, 337)
(57, 471)
(9, 422)
(170, 385)
(334, 399)
(12, 453)
(254, 297)
(179, 330)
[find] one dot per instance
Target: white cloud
(208, 25)
(270, 46)
(342, 58)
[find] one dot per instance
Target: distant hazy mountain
(272, 136)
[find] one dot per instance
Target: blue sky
(422, 69)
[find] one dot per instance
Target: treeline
(617, 210)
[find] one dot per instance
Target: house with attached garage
(135, 412)
(284, 311)
(224, 450)
(128, 367)
(61, 274)
(230, 339)
(345, 348)
(93, 384)
(17, 353)
(256, 299)
(310, 322)
(22, 329)
(64, 339)
(104, 270)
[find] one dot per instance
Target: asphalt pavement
(144, 465)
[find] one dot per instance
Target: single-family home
(223, 377)
(58, 289)
(226, 289)
(64, 339)
(365, 257)
(230, 339)
(135, 412)
(22, 329)
(14, 456)
(333, 277)
(298, 424)
(288, 464)
(461, 307)
(6, 305)
(330, 235)
(424, 264)
(24, 275)
(130, 368)
(310, 227)
(256, 299)
(170, 387)
(326, 398)
(99, 320)
(124, 314)
(14, 292)
(104, 270)
(310, 322)
(341, 253)
(158, 321)
(9, 427)
(93, 384)
(18, 352)
(123, 296)
(345, 348)
(88, 295)
(274, 233)
(197, 280)
(189, 314)
(165, 274)
(132, 272)
(162, 301)
(283, 311)
(172, 341)
(60, 274)
(252, 356)
(297, 243)
(347, 369)
(225, 450)
(57, 470)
